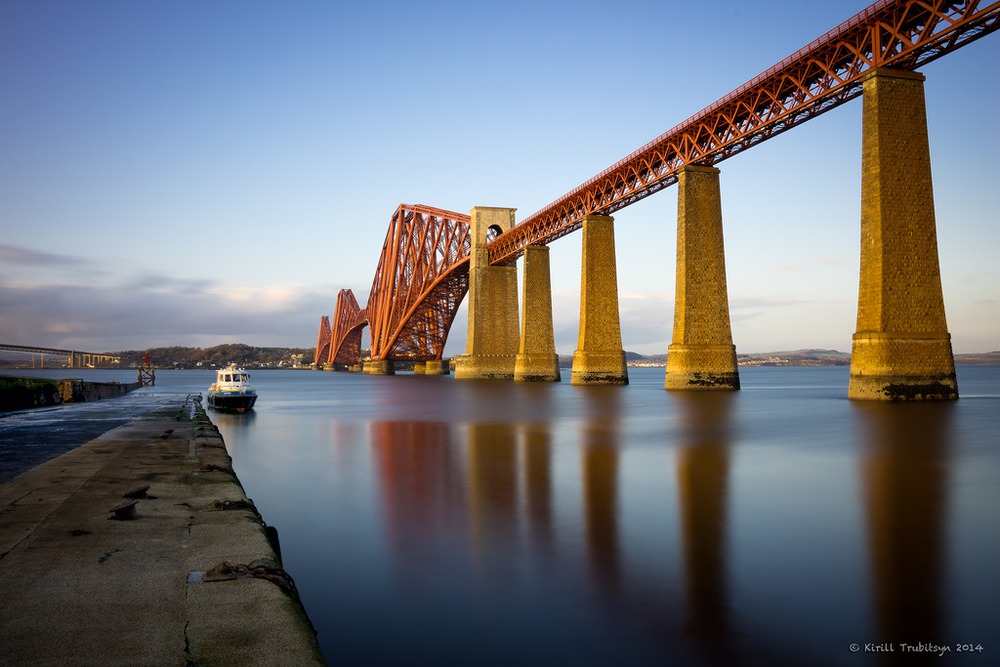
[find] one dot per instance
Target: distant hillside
(979, 359)
(285, 357)
(808, 357)
(220, 355)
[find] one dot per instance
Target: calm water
(428, 521)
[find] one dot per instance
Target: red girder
(903, 34)
(348, 322)
(426, 324)
(421, 279)
(322, 342)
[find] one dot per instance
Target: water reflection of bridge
(75, 358)
(504, 487)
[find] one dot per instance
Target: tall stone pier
(599, 358)
(902, 348)
(701, 355)
(493, 338)
(537, 360)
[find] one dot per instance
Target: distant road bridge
(76, 358)
(901, 349)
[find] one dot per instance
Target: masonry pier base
(379, 367)
(435, 367)
(702, 367)
(891, 368)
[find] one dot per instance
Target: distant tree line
(247, 355)
(220, 355)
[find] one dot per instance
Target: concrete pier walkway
(192, 579)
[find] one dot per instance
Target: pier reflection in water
(428, 521)
(703, 485)
(905, 468)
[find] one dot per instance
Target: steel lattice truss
(323, 342)
(421, 279)
(348, 321)
(902, 34)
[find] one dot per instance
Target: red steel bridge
(422, 274)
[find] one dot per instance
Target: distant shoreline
(808, 357)
(275, 357)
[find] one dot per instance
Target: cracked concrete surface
(80, 587)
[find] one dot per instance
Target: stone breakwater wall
(78, 391)
(141, 547)
(22, 393)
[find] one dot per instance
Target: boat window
(229, 378)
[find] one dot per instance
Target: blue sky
(195, 173)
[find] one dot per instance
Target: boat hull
(231, 401)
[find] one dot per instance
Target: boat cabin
(232, 375)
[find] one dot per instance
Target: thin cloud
(20, 256)
(35, 267)
(741, 303)
(124, 318)
(164, 283)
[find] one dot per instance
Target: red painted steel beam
(427, 322)
(421, 279)
(348, 322)
(322, 342)
(902, 34)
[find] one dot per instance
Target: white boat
(231, 390)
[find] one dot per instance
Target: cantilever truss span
(421, 279)
(348, 322)
(323, 341)
(902, 34)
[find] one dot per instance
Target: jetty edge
(142, 548)
(19, 393)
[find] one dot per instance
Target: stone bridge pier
(492, 340)
(537, 360)
(902, 348)
(599, 357)
(495, 347)
(701, 355)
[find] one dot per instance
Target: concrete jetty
(141, 548)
